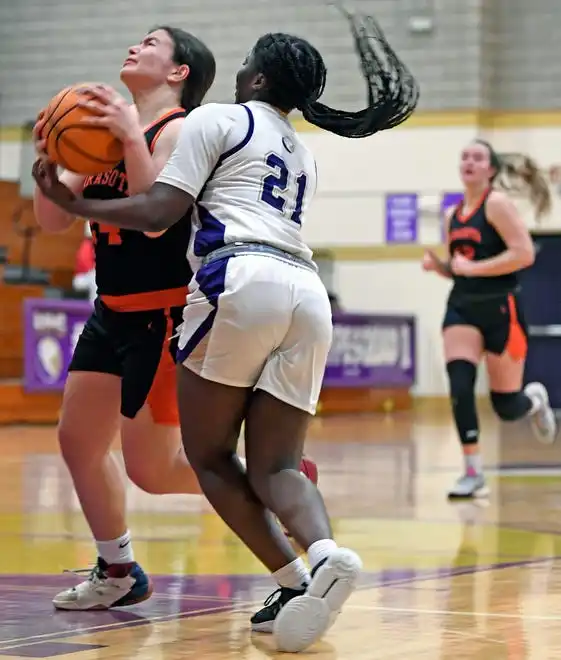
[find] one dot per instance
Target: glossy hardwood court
(442, 581)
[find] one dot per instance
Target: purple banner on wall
(448, 201)
(51, 330)
(371, 351)
(402, 218)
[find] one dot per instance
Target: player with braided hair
(257, 327)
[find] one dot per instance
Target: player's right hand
(430, 261)
(46, 177)
(39, 142)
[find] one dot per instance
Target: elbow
(54, 224)
(50, 218)
(151, 216)
(157, 224)
(162, 207)
(527, 257)
(163, 216)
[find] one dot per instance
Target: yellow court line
(487, 119)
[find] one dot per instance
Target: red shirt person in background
(84, 272)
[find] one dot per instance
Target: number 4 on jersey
(275, 187)
(113, 233)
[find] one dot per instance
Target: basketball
(78, 148)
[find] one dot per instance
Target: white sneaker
(102, 591)
(469, 486)
(305, 619)
(543, 421)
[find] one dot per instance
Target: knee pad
(461, 375)
(510, 406)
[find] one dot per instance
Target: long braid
(296, 77)
(393, 92)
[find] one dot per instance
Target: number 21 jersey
(250, 173)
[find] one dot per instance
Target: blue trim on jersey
(232, 151)
(211, 234)
(243, 143)
(211, 279)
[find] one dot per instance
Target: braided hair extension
(296, 76)
(393, 92)
(294, 70)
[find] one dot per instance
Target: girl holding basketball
(122, 376)
(489, 244)
(257, 326)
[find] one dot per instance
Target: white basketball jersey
(251, 175)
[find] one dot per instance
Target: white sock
(117, 551)
(473, 464)
(320, 550)
(294, 575)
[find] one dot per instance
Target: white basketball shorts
(260, 321)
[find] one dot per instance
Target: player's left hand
(111, 111)
(46, 177)
(461, 265)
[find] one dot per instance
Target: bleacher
(43, 266)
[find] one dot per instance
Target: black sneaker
(263, 620)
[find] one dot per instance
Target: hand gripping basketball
(39, 142)
(108, 109)
(78, 146)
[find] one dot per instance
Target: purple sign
(371, 351)
(448, 201)
(402, 216)
(51, 331)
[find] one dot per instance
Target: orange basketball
(79, 148)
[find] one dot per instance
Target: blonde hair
(517, 172)
(522, 173)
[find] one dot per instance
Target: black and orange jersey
(475, 238)
(135, 272)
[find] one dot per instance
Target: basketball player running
(122, 375)
(488, 245)
(257, 326)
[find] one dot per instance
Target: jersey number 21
(275, 187)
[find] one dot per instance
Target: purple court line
(12, 586)
(452, 572)
(8, 644)
(468, 570)
(15, 589)
(51, 649)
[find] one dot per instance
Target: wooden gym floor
(442, 581)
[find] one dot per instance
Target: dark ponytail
(295, 73)
(190, 50)
(519, 173)
(393, 92)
